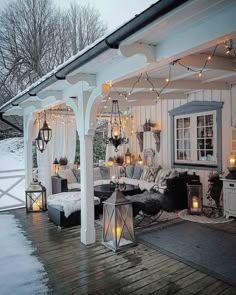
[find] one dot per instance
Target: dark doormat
(208, 249)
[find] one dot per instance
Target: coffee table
(104, 191)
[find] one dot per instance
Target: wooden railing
(12, 189)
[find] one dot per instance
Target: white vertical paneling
(159, 114)
(164, 139)
(233, 107)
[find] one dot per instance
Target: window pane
(209, 155)
(209, 120)
(209, 144)
(186, 122)
(200, 143)
(186, 133)
(180, 133)
(200, 132)
(209, 131)
(201, 155)
(187, 145)
(187, 155)
(200, 121)
(180, 123)
(179, 155)
(180, 145)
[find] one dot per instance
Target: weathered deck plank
(74, 268)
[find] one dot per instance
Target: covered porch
(168, 57)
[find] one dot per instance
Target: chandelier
(116, 137)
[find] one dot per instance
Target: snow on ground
(11, 158)
(12, 153)
(21, 272)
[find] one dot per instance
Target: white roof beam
(81, 77)
(179, 84)
(137, 48)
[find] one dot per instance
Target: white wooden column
(28, 154)
(86, 167)
(87, 189)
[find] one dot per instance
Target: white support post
(87, 190)
(86, 169)
(28, 154)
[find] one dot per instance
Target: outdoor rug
(208, 249)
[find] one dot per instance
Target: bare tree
(86, 26)
(35, 37)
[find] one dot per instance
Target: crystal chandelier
(116, 138)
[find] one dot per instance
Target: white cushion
(73, 186)
(128, 180)
(67, 174)
(144, 185)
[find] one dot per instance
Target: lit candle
(118, 232)
(37, 205)
(195, 203)
(232, 162)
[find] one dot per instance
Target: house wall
(159, 114)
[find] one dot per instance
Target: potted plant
(63, 161)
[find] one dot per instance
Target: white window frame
(193, 139)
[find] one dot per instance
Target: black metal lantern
(36, 198)
(46, 132)
(116, 138)
(40, 142)
(118, 227)
(194, 198)
(56, 166)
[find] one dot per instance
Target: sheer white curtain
(62, 144)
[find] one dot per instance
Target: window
(195, 138)
(196, 135)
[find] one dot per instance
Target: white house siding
(159, 113)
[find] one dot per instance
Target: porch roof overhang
(165, 31)
(111, 41)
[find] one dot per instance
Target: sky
(113, 12)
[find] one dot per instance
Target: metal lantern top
(117, 198)
(36, 187)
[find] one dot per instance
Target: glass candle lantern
(231, 165)
(36, 198)
(118, 227)
(194, 198)
(128, 157)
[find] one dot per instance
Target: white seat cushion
(73, 186)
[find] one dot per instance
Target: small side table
(229, 197)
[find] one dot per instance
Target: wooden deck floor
(73, 268)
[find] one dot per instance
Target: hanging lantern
(46, 132)
(40, 142)
(115, 138)
(194, 198)
(118, 227)
(36, 198)
(128, 157)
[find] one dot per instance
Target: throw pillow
(138, 170)
(129, 171)
(162, 175)
(105, 172)
(145, 173)
(67, 174)
(76, 173)
(152, 173)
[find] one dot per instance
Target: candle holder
(118, 227)
(231, 165)
(194, 198)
